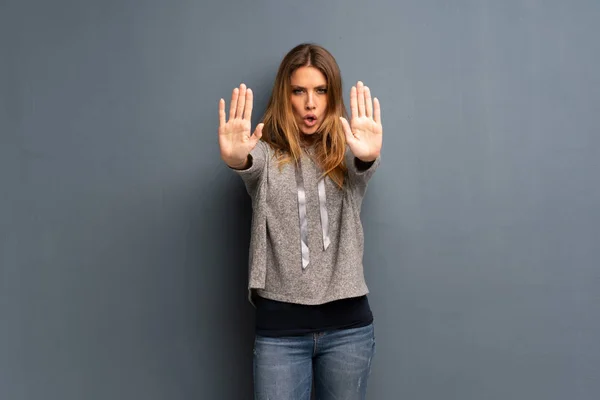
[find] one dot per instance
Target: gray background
(123, 237)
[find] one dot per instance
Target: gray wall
(123, 238)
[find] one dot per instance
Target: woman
(306, 170)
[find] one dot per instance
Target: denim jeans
(339, 360)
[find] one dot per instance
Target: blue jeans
(339, 360)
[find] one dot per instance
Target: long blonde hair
(281, 130)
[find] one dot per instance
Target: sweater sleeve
(360, 172)
(252, 176)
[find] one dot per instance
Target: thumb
(257, 133)
(349, 136)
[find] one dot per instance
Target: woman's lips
(310, 120)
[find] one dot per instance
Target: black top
(276, 318)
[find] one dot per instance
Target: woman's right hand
(235, 139)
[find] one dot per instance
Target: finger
(347, 131)
(368, 102)
(361, 99)
(353, 103)
(221, 113)
(233, 105)
(241, 101)
(248, 109)
(257, 133)
(377, 111)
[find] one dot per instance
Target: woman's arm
(364, 136)
(240, 150)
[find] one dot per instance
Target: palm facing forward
(364, 134)
(235, 139)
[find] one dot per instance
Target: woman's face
(309, 98)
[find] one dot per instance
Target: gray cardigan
(277, 268)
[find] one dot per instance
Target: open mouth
(310, 120)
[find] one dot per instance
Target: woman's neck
(308, 141)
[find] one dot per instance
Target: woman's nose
(310, 102)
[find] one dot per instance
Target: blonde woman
(306, 169)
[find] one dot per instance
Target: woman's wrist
(239, 165)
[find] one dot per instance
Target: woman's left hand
(364, 134)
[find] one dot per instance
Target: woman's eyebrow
(324, 86)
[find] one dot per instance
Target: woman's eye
(322, 91)
(297, 91)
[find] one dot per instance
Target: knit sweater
(276, 269)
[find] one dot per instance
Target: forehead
(308, 77)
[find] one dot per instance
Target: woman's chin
(305, 130)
